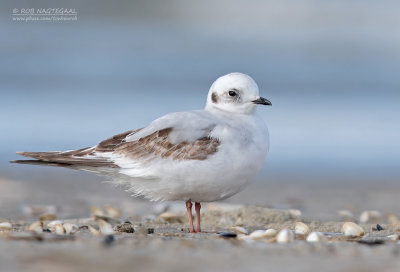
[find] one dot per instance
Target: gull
(195, 156)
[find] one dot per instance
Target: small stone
(125, 227)
(228, 235)
(378, 227)
(108, 240)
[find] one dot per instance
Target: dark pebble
(378, 228)
(108, 240)
(150, 231)
(372, 242)
(228, 234)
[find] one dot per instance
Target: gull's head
(235, 93)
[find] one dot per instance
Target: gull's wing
(178, 136)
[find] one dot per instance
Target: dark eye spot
(232, 93)
(214, 98)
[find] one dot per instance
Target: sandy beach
(160, 240)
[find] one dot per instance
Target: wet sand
(158, 245)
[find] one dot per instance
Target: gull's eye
(232, 93)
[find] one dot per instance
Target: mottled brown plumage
(159, 144)
(155, 145)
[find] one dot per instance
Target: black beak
(262, 101)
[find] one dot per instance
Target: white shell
(301, 228)
(36, 227)
(285, 236)
(352, 229)
(295, 212)
(52, 225)
(244, 237)
(93, 231)
(392, 219)
(269, 233)
(240, 230)
(5, 226)
(59, 229)
(370, 217)
(70, 228)
(346, 215)
(393, 237)
(315, 237)
(112, 212)
(257, 234)
(96, 211)
(105, 228)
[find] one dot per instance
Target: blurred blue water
(331, 72)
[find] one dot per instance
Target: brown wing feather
(159, 144)
(150, 147)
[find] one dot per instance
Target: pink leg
(197, 207)
(189, 211)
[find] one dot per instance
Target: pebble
(378, 228)
(108, 240)
(125, 227)
(228, 235)
(352, 229)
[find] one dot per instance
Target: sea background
(330, 68)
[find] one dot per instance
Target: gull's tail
(80, 158)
